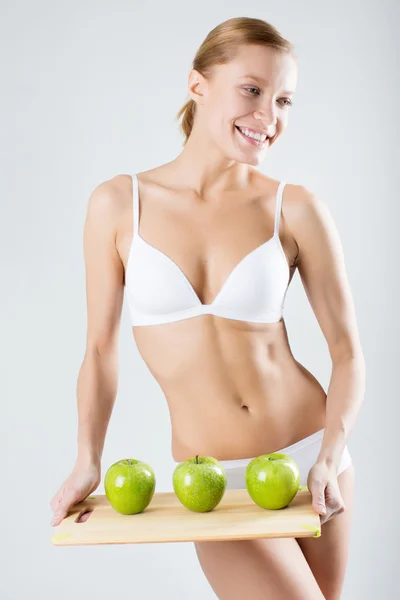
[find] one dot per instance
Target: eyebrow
(263, 81)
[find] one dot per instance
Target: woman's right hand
(83, 480)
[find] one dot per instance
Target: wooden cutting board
(165, 519)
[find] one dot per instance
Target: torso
(233, 388)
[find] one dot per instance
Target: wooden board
(165, 519)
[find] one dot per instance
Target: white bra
(158, 291)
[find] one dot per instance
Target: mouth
(259, 143)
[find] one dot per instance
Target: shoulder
(106, 212)
(297, 197)
(110, 198)
(300, 205)
(304, 210)
(301, 202)
(306, 218)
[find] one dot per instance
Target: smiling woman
(242, 89)
(205, 248)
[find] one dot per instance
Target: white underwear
(304, 452)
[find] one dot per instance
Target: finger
(59, 514)
(319, 503)
(56, 500)
(318, 499)
(334, 499)
(61, 509)
(325, 519)
(338, 510)
(333, 512)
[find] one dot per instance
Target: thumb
(61, 509)
(319, 501)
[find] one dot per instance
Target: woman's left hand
(324, 487)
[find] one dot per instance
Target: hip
(304, 452)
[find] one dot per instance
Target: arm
(98, 376)
(323, 274)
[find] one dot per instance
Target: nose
(267, 115)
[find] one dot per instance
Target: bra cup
(258, 284)
(156, 285)
(159, 292)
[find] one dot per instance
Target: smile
(260, 143)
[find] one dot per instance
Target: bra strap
(135, 192)
(278, 207)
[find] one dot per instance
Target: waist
(237, 427)
(302, 443)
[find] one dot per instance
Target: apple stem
(197, 459)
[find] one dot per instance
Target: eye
(253, 88)
(286, 101)
(289, 102)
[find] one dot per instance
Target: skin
(206, 210)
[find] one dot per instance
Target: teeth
(260, 137)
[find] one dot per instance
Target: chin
(257, 160)
(254, 160)
(251, 158)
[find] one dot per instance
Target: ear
(196, 86)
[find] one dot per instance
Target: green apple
(129, 485)
(199, 483)
(272, 480)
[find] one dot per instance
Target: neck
(204, 168)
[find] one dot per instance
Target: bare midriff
(234, 389)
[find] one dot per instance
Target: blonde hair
(220, 47)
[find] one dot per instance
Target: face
(252, 92)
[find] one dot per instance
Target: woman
(206, 247)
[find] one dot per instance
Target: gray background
(91, 89)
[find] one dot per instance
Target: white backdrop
(90, 89)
